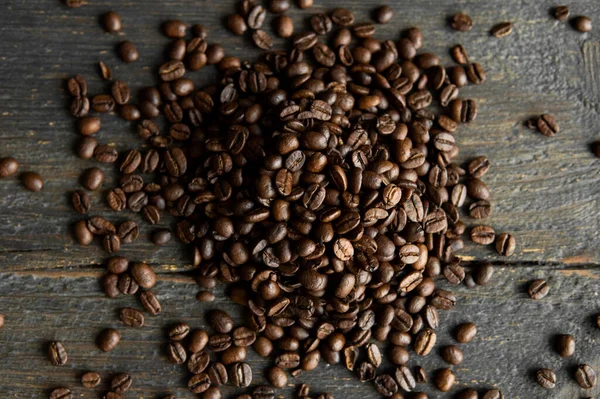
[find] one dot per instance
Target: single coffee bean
(493, 394)
(465, 332)
(483, 235)
(582, 24)
(452, 354)
(91, 379)
(505, 244)
(263, 392)
(279, 6)
(538, 289)
(205, 296)
(385, 385)
(82, 234)
(128, 52)
(546, 378)
(384, 14)
(476, 73)
(120, 92)
(57, 354)
(161, 236)
(128, 231)
(277, 377)
(111, 22)
(461, 22)
(342, 17)
(220, 321)
(86, 147)
(143, 275)
(108, 339)
(424, 342)
(92, 178)
(178, 331)
(565, 345)
(502, 30)
(105, 71)
(116, 199)
(444, 379)
(111, 243)
(77, 86)
(480, 209)
(262, 39)
(32, 181)
(88, 125)
(150, 302)
(81, 202)
(105, 153)
(256, 17)
(283, 26)
(197, 341)
(321, 23)
(304, 4)
(236, 24)
(174, 29)
(561, 13)
(131, 317)
(405, 379)
(61, 393)
(585, 376)
(459, 54)
(483, 273)
(478, 166)
(8, 167)
(240, 375)
(176, 353)
(547, 125)
(121, 383)
(218, 374)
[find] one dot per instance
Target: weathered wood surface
(546, 192)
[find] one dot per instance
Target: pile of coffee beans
(319, 184)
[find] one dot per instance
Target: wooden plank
(514, 335)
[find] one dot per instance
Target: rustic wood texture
(546, 192)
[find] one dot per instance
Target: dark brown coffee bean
(546, 378)
(363, 30)
(476, 73)
(585, 376)
(128, 231)
(199, 383)
(538, 289)
(174, 29)
(263, 392)
(561, 13)
(465, 332)
(111, 22)
(120, 92)
(459, 54)
(120, 383)
(175, 162)
(424, 342)
(565, 345)
(384, 14)
(143, 275)
(256, 17)
(77, 86)
(91, 379)
(483, 235)
(105, 71)
(161, 236)
(57, 354)
(111, 243)
(547, 125)
(116, 199)
(240, 375)
(277, 377)
(32, 181)
(236, 24)
(493, 394)
(321, 23)
(262, 39)
(582, 24)
(150, 302)
(61, 393)
(461, 22)
(81, 202)
(502, 30)
(505, 244)
(171, 70)
(88, 126)
(92, 178)
(444, 379)
(385, 385)
(452, 354)
(105, 153)
(342, 17)
(405, 379)
(131, 317)
(283, 26)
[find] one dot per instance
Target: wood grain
(545, 190)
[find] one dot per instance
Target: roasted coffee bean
(384, 14)
(128, 52)
(111, 243)
(92, 178)
(582, 24)
(505, 244)
(80, 107)
(405, 379)
(284, 26)
(218, 374)
(363, 30)
(111, 22)
(263, 392)
(476, 73)
(493, 394)
(424, 342)
(385, 385)
(176, 353)
(461, 22)
(538, 289)
(8, 167)
(199, 383)
(565, 345)
(236, 24)
(143, 275)
(365, 372)
(547, 125)
(205, 296)
(546, 378)
(502, 30)
(479, 166)
(91, 379)
(57, 354)
(459, 54)
(279, 6)
(131, 317)
(452, 354)
(483, 273)
(174, 29)
(81, 202)
(256, 17)
(61, 393)
(161, 236)
(240, 375)
(105, 153)
(116, 199)
(120, 92)
(150, 302)
(444, 379)
(321, 24)
(561, 13)
(480, 209)
(32, 181)
(105, 71)
(483, 235)
(465, 332)
(220, 321)
(585, 376)
(277, 377)
(88, 125)
(77, 86)
(288, 360)
(121, 383)
(262, 39)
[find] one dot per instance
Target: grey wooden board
(545, 191)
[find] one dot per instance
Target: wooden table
(546, 192)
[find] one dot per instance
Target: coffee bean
(452, 354)
(61, 393)
(91, 379)
(547, 125)
(199, 383)
(480, 209)
(277, 377)
(561, 13)
(585, 376)
(131, 317)
(57, 354)
(424, 342)
(465, 332)
(321, 23)
(128, 52)
(385, 385)
(262, 39)
(174, 29)
(83, 235)
(116, 199)
(8, 166)
(444, 379)
(176, 353)
(283, 26)
(236, 24)
(220, 321)
(81, 202)
(565, 345)
(143, 275)
(105, 71)
(32, 181)
(263, 392)
(546, 378)
(483, 235)
(582, 24)
(150, 302)
(476, 73)
(86, 147)
(493, 394)
(459, 54)
(461, 22)
(256, 17)
(342, 17)
(288, 360)
(502, 30)
(363, 30)
(384, 14)
(88, 126)
(121, 383)
(111, 22)
(505, 244)
(483, 273)
(77, 86)
(92, 178)
(464, 111)
(105, 153)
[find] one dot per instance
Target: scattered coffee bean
(32, 181)
(565, 345)
(161, 237)
(582, 24)
(92, 178)
(384, 14)
(131, 317)
(91, 379)
(461, 22)
(57, 354)
(546, 378)
(459, 54)
(108, 339)
(547, 125)
(121, 383)
(444, 379)
(465, 332)
(128, 52)
(111, 21)
(61, 393)
(452, 354)
(505, 244)
(283, 26)
(538, 289)
(483, 235)
(585, 376)
(502, 30)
